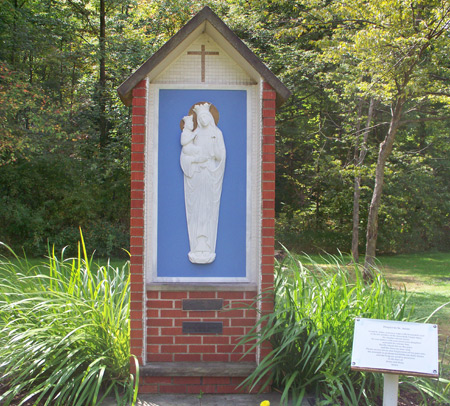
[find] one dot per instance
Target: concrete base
(222, 369)
(210, 400)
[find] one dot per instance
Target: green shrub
(48, 197)
(64, 329)
(299, 235)
(311, 333)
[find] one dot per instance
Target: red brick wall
(164, 341)
(167, 343)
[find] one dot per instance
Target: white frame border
(254, 199)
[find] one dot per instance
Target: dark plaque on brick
(202, 304)
(202, 327)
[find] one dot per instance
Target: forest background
(371, 90)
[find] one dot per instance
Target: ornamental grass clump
(311, 333)
(64, 332)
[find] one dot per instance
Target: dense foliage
(311, 333)
(65, 136)
(64, 329)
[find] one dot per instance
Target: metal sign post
(390, 390)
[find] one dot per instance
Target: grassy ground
(426, 278)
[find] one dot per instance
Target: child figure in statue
(187, 136)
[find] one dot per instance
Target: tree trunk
(355, 229)
(61, 76)
(102, 81)
(383, 155)
(14, 35)
(72, 88)
(360, 154)
(30, 67)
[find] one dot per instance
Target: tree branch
(421, 120)
(439, 94)
(434, 76)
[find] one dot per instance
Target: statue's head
(188, 122)
(204, 116)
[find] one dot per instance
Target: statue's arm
(219, 147)
(186, 137)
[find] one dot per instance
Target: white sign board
(395, 347)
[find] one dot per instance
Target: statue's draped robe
(202, 191)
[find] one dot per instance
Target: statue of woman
(203, 163)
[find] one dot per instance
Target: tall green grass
(64, 332)
(311, 333)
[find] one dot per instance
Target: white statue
(203, 163)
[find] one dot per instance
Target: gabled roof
(234, 42)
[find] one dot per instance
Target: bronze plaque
(202, 327)
(202, 304)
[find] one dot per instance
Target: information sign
(395, 347)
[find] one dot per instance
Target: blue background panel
(172, 240)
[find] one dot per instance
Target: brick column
(137, 284)
(268, 202)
